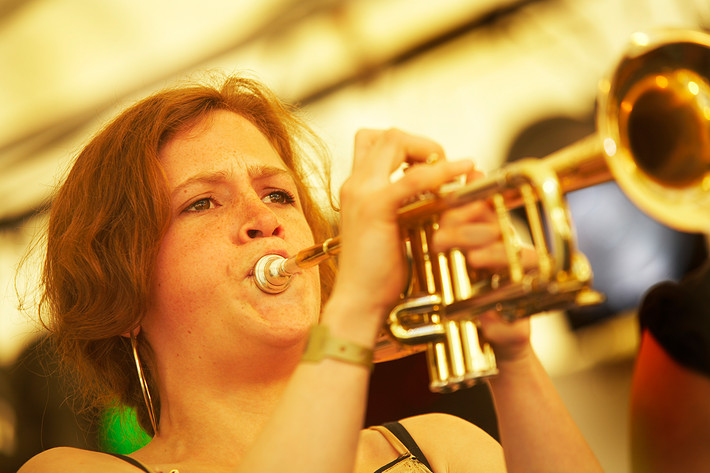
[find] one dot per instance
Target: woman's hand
(510, 340)
(474, 228)
(371, 264)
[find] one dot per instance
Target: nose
(260, 222)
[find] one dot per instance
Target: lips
(269, 251)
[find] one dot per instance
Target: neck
(213, 417)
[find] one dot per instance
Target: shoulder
(444, 426)
(75, 460)
(453, 444)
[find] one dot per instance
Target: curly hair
(108, 218)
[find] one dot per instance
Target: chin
(287, 333)
(287, 314)
(292, 312)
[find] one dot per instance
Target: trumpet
(653, 139)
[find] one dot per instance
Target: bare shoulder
(75, 460)
(445, 426)
(453, 444)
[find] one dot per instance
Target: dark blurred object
(39, 402)
(670, 388)
(628, 250)
(678, 317)
(400, 388)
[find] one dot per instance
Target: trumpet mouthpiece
(270, 274)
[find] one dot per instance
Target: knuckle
(364, 134)
(393, 135)
(347, 189)
(416, 179)
(353, 190)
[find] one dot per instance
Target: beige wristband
(322, 345)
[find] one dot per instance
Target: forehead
(220, 140)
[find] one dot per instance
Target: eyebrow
(254, 171)
(263, 170)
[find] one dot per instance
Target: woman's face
(232, 201)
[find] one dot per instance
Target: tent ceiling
(70, 61)
(68, 64)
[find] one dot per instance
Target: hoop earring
(144, 385)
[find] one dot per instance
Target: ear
(132, 333)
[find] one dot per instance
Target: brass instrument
(653, 139)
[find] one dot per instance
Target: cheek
(182, 273)
(302, 231)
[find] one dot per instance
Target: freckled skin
(204, 304)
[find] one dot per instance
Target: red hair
(108, 218)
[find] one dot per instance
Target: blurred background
(494, 80)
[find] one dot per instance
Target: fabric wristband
(322, 345)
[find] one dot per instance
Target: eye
(279, 196)
(201, 205)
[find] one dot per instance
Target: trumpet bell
(654, 124)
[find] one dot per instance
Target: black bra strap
(405, 437)
(133, 462)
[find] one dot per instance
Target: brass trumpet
(653, 139)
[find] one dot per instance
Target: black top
(678, 317)
(132, 462)
(404, 436)
(395, 427)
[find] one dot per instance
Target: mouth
(271, 275)
(271, 252)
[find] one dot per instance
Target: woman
(152, 240)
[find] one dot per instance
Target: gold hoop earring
(144, 385)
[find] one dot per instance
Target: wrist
(322, 344)
(352, 319)
(521, 362)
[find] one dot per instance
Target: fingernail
(432, 158)
(463, 165)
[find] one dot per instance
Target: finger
(364, 140)
(416, 148)
(425, 178)
(506, 337)
(490, 317)
(528, 257)
(478, 211)
(494, 256)
(474, 175)
(465, 235)
(380, 153)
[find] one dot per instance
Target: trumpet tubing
(653, 139)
